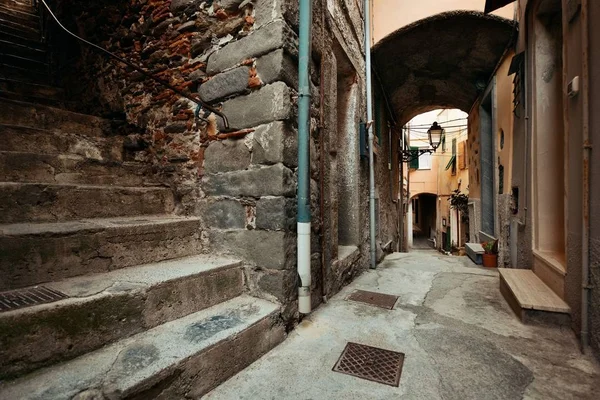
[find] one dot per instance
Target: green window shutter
(454, 156)
(414, 154)
(450, 163)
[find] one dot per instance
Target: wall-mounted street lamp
(435, 135)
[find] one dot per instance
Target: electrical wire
(142, 71)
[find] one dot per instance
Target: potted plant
(490, 257)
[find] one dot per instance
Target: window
(452, 162)
(425, 161)
(462, 159)
(414, 158)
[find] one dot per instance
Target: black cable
(142, 71)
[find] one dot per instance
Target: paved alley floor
(460, 338)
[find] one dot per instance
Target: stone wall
(240, 56)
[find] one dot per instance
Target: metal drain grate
(22, 298)
(371, 363)
(375, 299)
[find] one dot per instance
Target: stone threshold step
(32, 140)
(72, 169)
(530, 297)
(184, 358)
(44, 202)
(45, 252)
(18, 113)
(105, 307)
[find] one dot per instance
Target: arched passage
(444, 61)
(448, 61)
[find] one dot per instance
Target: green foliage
(460, 201)
(490, 247)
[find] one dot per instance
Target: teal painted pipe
(303, 216)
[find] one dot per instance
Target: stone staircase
(105, 292)
(25, 71)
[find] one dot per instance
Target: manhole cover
(28, 297)
(371, 363)
(375, 299)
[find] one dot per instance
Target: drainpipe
(587, 149)
(370, 128)
(303, 216)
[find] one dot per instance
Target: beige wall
(390, 15)
(437, 180)
(504, 93)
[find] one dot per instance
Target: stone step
(43, 202)
(16, 29)
(31, 90)
(27, 12)
(11, 36)
(30, 140)
(25, 6)
(531, 299)
(18, 17)
(184, 358)
(103, 308)
(37, 53)
(72, 169)
(31, 98)
(23, 74)
(52, 119)
(25, 63)
(46, 252)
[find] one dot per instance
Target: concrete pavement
(461, 341)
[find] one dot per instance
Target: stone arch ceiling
(443, 61)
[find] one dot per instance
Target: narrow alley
(460, 339)
(299, 199)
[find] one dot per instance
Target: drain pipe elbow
(304, 299)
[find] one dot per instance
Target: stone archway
(444, 61)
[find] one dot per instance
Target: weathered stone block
(225, 84)
(275, 143)
(230, 5)
(270, 10)
(275, 213)
(280, 284)
(264, 40)
(179, 5)
(271, 103)
(266, 249)
(226, 155)
(224, 214)
(277, 66)
(276, 180)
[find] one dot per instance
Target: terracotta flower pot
(490, 260)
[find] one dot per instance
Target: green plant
(460, 201)
(490, 247)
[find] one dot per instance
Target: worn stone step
(21, 18)
(43, 202)
(184, 358)
(103, 308)
(28, 90)
(30, 140)
(25, 63)
(27, 12)
(31, 254)
(11, 36)
(34, 53)
(25, 6)
(52, 119)
(531, 299)
(23, 74)
(72, 169)
(31, 98)
(16, 29)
